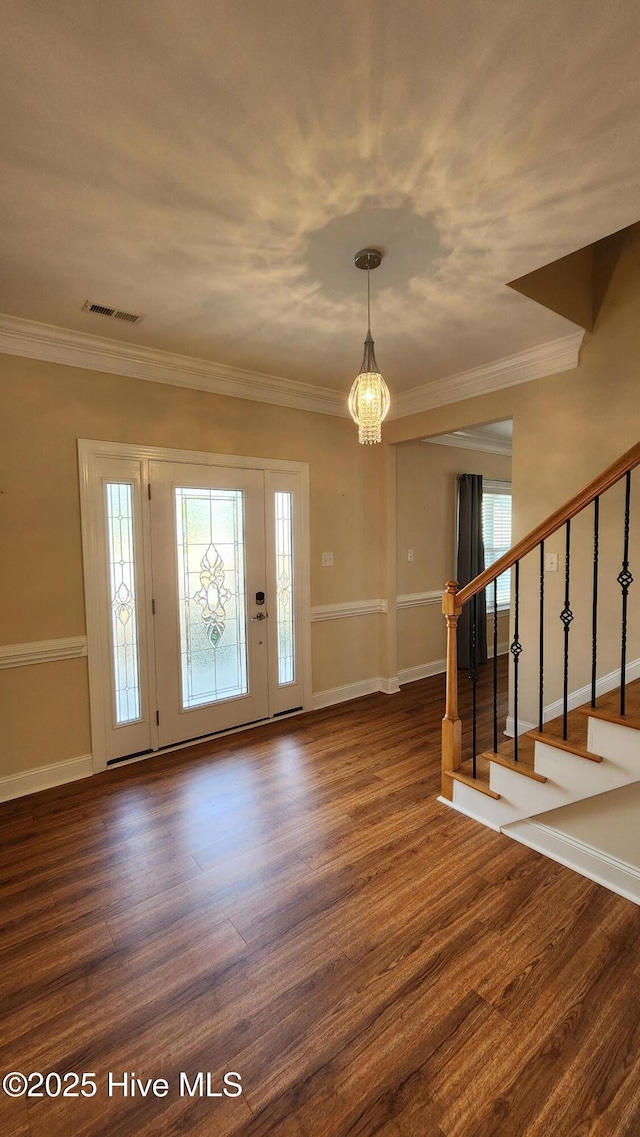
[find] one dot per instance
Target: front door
(197, 590)
(209, 587)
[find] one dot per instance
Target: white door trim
(99, 448)
(90, 452)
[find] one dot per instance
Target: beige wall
(422, 639)
(567, 428)
(44, 409)
(426, 513)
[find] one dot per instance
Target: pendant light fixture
(369, 400)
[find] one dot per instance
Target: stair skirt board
(618, 876)
(469, 813)
(577, 698)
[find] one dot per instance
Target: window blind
(496, 532)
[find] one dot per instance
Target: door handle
(260, 616)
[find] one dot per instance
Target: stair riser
(614, 741)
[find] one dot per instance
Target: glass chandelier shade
(369, 400)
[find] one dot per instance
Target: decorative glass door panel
(123, 596)
(208, 557)
(285, 613)
(211, 595)
(284, 507)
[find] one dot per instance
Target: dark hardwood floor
(294, 904)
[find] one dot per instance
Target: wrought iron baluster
(541, 653)
(594, 611)
(566, 616)
(625, 580)
(516, 651)
(474, 676)
(495, 665)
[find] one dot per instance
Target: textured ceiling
(216, 164)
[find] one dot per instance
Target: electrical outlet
(409, 554)
(327, 560)
(550, 562)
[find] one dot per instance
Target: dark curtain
(470, 563)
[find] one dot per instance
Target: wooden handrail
(584, 497)
(453, 601)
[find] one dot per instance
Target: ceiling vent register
(112, 313)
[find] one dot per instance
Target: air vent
(112, 313)
(132, 317)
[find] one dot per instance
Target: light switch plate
(327, 560)
(550, 562)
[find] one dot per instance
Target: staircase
(601, 752)
(586, 750)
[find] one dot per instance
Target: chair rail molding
(417, 599)
(349, 608)
(42, 651)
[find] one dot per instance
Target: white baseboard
(577, 698)
(354, 691)
(44, 777)
(59, 773)
(615, 875)
(390, 686)
(523, 726)
(502, 649)
(421, 671)
(437, 666)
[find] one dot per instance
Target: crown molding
(534, 363)
(473, 440)
(97, 353)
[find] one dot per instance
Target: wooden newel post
(451, 723)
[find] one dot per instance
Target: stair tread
(611, 716)
(526, 749)
(478, 783)
(576, 740)
(560, 744)
(518, 767)
(608, 707)
(576, 728)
